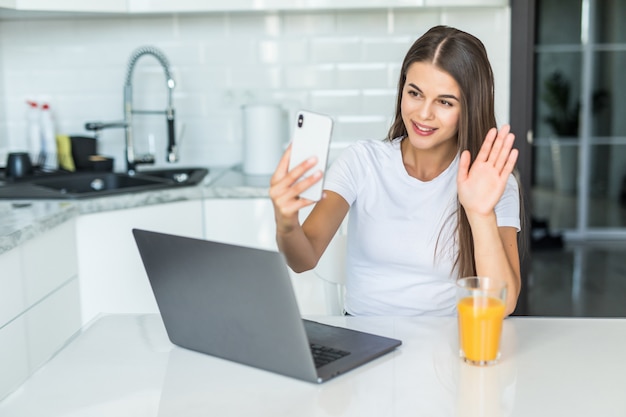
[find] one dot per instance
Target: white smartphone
(311, 137)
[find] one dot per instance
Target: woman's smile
(422, 130)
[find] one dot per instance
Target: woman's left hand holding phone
(285, 189)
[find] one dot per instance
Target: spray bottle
(48, 136)
(33, 133)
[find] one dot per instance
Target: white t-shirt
(395, 223)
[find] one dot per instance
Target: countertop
(124, 365)
(21, 220)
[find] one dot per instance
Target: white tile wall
(344, 63)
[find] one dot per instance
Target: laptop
(238, 303)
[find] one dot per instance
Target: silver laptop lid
(228, 301)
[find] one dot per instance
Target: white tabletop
(124, 365)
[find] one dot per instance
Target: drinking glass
(481, 305)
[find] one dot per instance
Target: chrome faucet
(131, 160)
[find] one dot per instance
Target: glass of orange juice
(480, 305)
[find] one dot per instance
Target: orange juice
(480, 326)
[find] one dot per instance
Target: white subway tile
(415, 23)
(191, 105)
(336, 101)
(199, 79)
(380, 102)
(336, 49)
(489, 25)
(159, 30)
(349, 129)
(254, 24)
(230, 51)
(310, 24)
(183, 55)
(283, 52)
(257, 77)
(194, 28)
(362, 75)
(385, 49)
(362, 22)
(310, 76)
(393, 74)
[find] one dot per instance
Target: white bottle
(33, 133)
(48, 136)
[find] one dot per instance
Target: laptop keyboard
(324, 355)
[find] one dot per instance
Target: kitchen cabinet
(39, 302)
(250, 222)
(270, 5)
(112, 276)
(66, 5)
(241, 221)
(182, 6)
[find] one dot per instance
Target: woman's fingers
(286, 186)
(464, 165)
(485, 149)
(505, 151)
(282, 167)
(509, 166)
(496, 148)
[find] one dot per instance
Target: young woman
(435, 201)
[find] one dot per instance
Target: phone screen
(311, 137)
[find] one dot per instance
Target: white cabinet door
(250, 222)
(39, 302)
(241, 221)
(67, 5)
(148, 6)
(13, 348)
(112, 276)
(12, 300)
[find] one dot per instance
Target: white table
(124, 365)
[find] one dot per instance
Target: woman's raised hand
(481, 186)
(285, 190)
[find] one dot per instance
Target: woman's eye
(446, 103)
(413, 93)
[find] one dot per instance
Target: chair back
(331, 269)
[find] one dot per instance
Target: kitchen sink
(176, 175)
(97, 184)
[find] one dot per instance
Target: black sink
(176, 175)
(96, 184)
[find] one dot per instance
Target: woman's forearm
(297, 249)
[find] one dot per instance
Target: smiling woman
(434, 201)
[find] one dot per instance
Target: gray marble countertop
(21, 220)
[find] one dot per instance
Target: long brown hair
(464, 57)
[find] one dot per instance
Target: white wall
(344, 63)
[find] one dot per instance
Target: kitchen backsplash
(344, 63)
